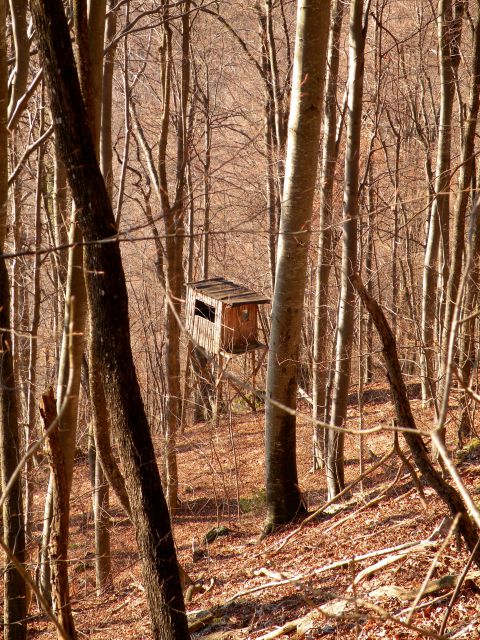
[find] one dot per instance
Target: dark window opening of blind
(204, 310)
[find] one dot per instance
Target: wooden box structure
(222, 316)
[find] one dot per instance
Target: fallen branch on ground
(378, 566)
(458, 586)
(300, 625)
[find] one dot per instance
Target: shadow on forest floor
(382, 395)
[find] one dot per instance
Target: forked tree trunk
(108, 307)
(283, 495)
(345, 323)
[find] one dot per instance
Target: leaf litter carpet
(307, 584)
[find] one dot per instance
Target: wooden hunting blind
(222, 316)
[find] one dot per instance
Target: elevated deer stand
(222, 318)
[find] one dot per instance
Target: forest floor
(250, 588)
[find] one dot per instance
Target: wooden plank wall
(238, 332)
(205, 333)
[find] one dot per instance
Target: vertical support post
(218, 384)
(254, 397)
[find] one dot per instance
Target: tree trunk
(60, 521)
(325, 247)
(108, 307)
(345, 323)
(174, 230)
(103, 560)
(283, 495)
(18, 12)
(449, 30)
(33, 347)
(73, 336)
(270, 140)
(405, 419)
(14, 610)
(91, 36)
(467, 165)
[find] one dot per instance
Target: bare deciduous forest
(239, 326)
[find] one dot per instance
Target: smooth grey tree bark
(284, 500)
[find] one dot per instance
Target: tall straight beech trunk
(325, 257)
(102, 427)
(449, 30)
(108, 308)
(14, 612)
(14, 608)
(283, 495)
(346, 312)
(468, 361)
(106, 143)
(34, 327)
